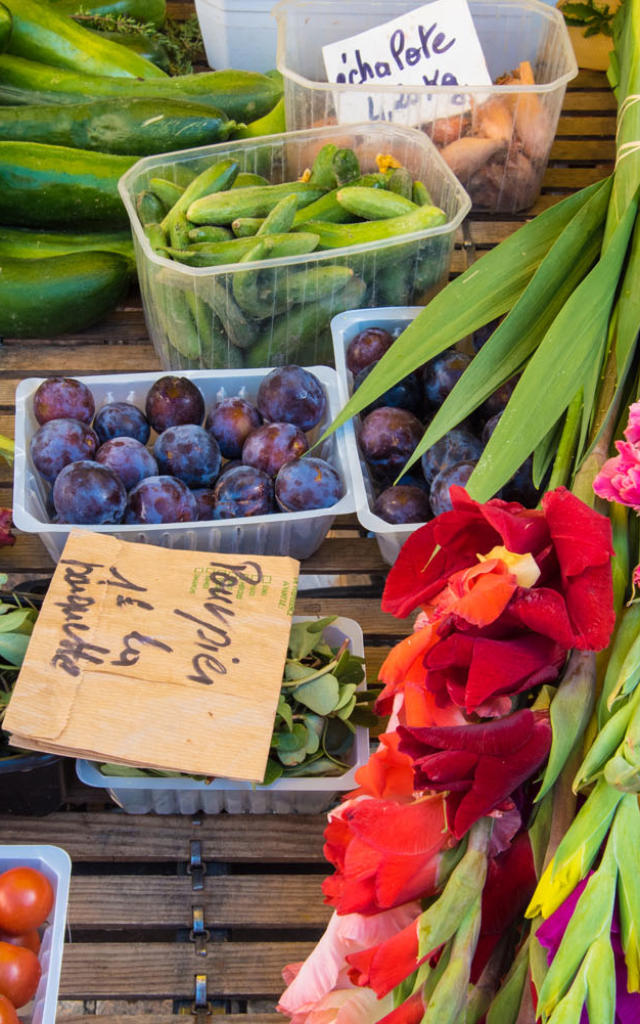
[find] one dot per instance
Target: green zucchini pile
(77, 109)
(262, 266)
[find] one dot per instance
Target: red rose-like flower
(385, 853)
(6, 536)
(478, 766)
(572, 601)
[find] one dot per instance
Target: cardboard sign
(437, 44)
(155, 657)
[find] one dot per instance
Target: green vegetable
(215, 177)
(334, 236)
(375, 203)
(29, 244)
(41, 34)
(246, 178)
(53, 186)
(132, 126)
(141, 44)
(280, 218)
(272, 290)
(168, 192)
(149, 207)
(242, 95)
(142, 10)
(209, 233)
(244, 227)
(219, 254)
(256, 201)
(6, 23)
(47, 296)
(400, 182)
(272, 123)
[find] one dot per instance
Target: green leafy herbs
(593, 17)
(177, 46)
(321, 702)
(16, 625)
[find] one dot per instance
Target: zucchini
(6, 24)
(243, 95)
(133, 126)
(154, 11)
(40, 34)
(27, 244)
(43, 297)
(54, 186)
(140, 43)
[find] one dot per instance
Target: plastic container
(238, 33)
(344, 327)
(30, 783)
(505, 176)
(407, 270)
(295, 534)
(285, 796)
(53, 862)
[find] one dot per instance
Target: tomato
(26, 897)
(20, 972)
(30, 940)
(8, 1013)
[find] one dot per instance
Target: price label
(434, 45)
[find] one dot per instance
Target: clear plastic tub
(344, 327)
(310, 795)
(295, 534)
(409, 269)
(238, 33)
(516, 123)
(53, 862)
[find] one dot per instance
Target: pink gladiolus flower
(632, 432)
(619, 478)
(314, 985)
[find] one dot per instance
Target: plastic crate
(295, 534)
(228, 40)
(510, 31)
(344, 327)
(312, 795)
(53, 862)
(408, 269)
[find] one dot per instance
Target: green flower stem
(564, 458)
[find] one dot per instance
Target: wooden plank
(44, 358)
(583, 150)
(589, 101)
(229, 901)
(118, 970)
(121, 838)
(596, 126)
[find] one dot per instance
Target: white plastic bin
(285, 796)
(344, 327)
(238, 33)
(509, 177)
(55, 864)
(411, 267)
(295, 534)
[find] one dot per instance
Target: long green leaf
(483, 292)
(511, 344)
(556, 370)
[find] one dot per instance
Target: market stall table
(158, 901)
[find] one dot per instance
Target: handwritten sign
(155, 657)
(436, 45)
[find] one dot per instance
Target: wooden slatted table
(129, 957)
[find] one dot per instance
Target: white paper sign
(436, 44)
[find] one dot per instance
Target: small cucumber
(242, 95)
(420, 194)
(246, 178)
(400, 182)
(209, 233)
(149, 207)
(54, 186)
(168, 192)
(335, 236)
(257, 201)
(373, 203)
(220, 254)
(40, 298)
(6, 24)
(280, 218)
(41, 34)
(267, 292)
(328, 208)
(244, 227)
(136, 126)
(218, 176)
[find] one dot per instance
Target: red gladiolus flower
(571, 602)
(388, 774)
(478, 766)
(6, 536)
(385, 853)
(409, 1012)
(384, 966)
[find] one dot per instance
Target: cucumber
(43, 297)
(154, 11)
(28, 244)
(6, 24)
(254, 201)
(133, 126)
(41, 34)
(54, 186)
(243, 95)
(374, 203)
(335, 236)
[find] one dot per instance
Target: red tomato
(8, 1013)
(20, 972)
(30, 940)
(26, 897)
